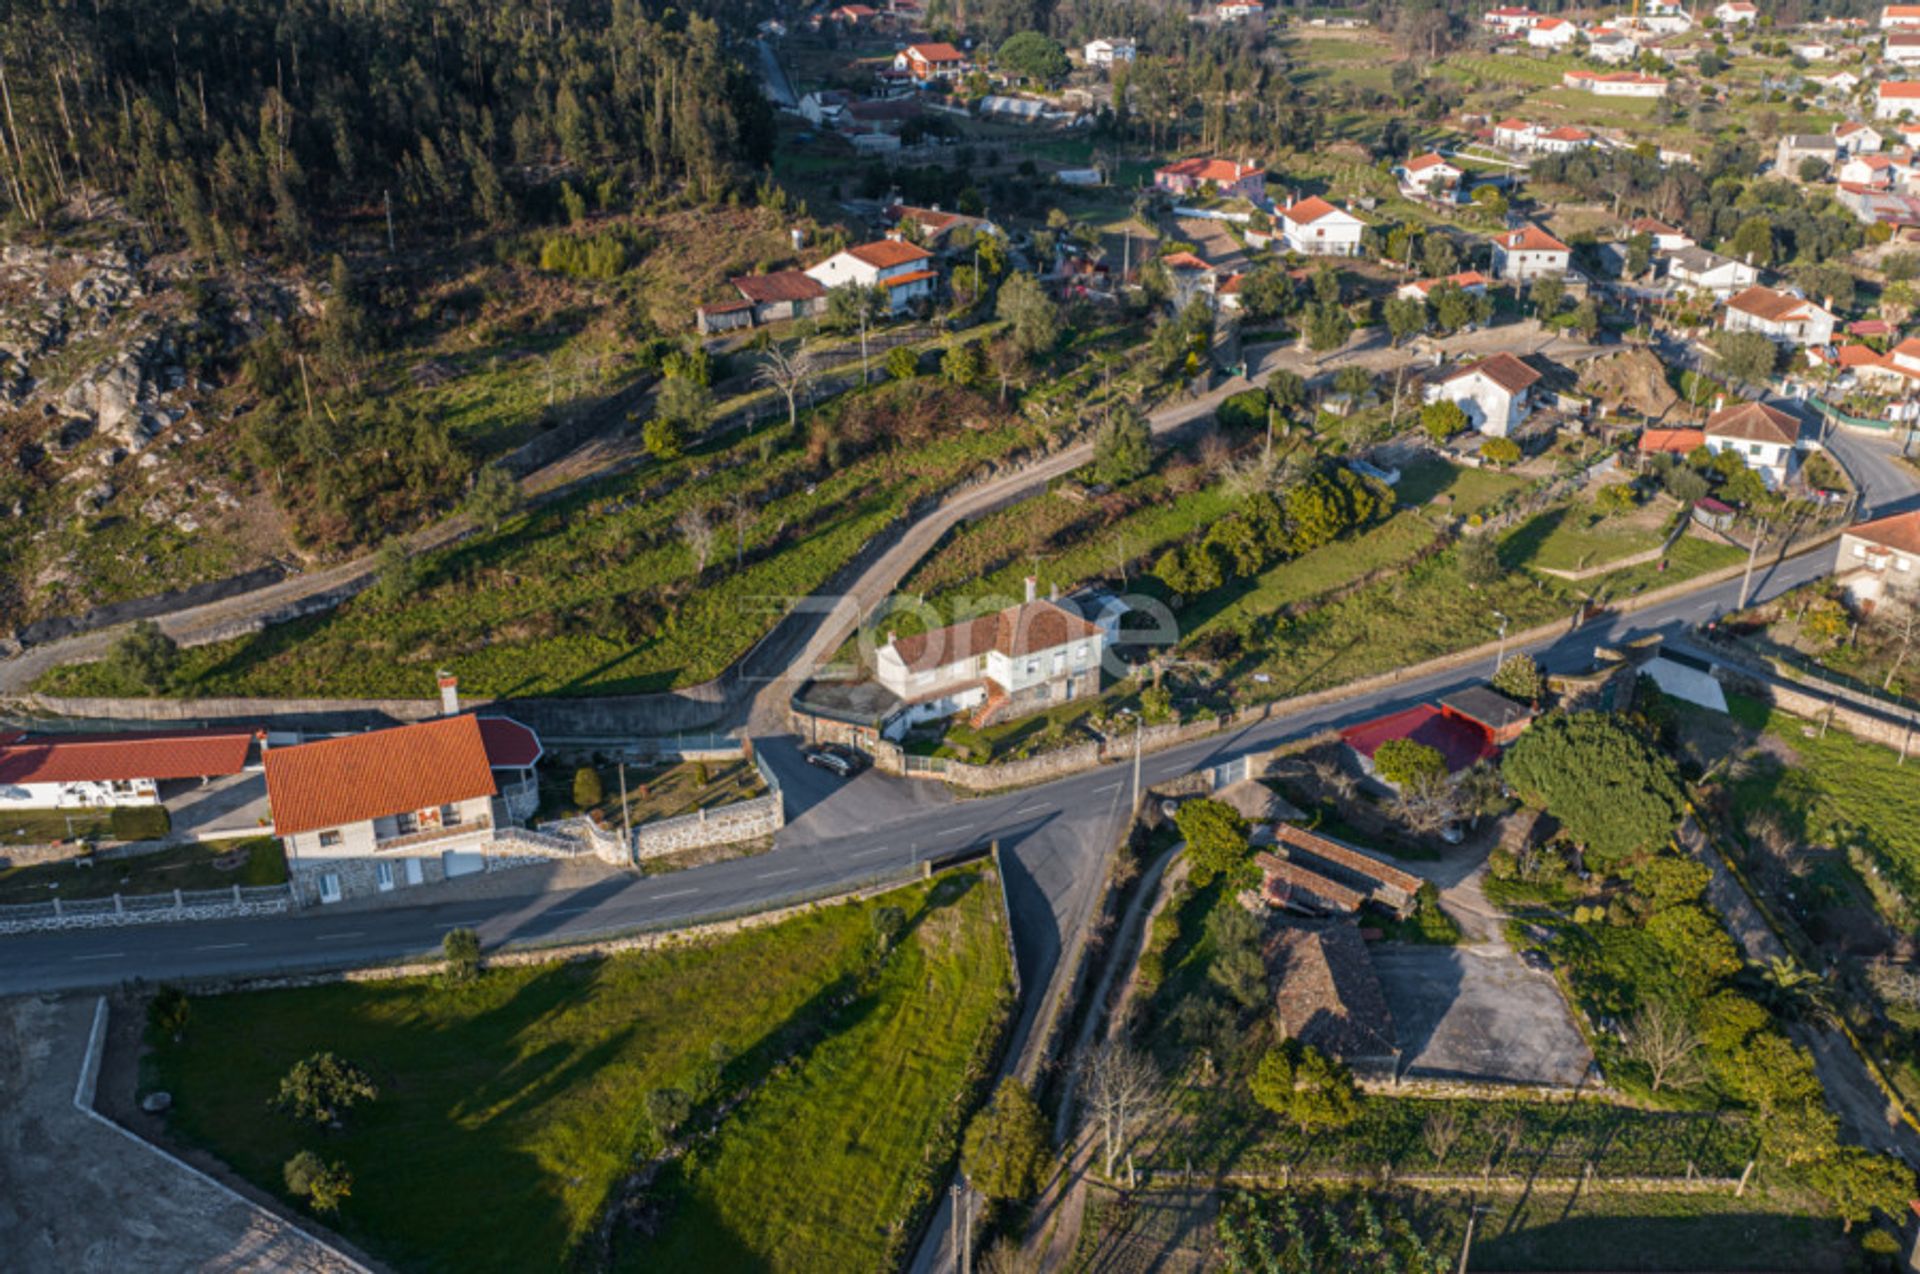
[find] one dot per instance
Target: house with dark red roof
(100, 771)
(765, 298)
(366, 813)
(1461, 741)
(1495, 393)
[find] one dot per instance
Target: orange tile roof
(1754, 422)
(935, 53)
(1529, 239)
(1287, 883)
(1340, 855)
(911, 276)
(1224, 172)
(1901, 531)
(1677, 441)
(125, 756)
(1567, 133)
(1900, 88)
(360, 777)
(1308, 210)
(1015, 631)
(781, 285)
(1183, 261)
(1432, 159)
(1502, 369)
(1765, 303)
(884, 254)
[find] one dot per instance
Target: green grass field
(188, 867)
(511, 1109)
(1579, 537)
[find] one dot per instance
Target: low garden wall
(726, 825)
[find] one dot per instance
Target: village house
(101, 771)
(368, 813)
(1781, 316)
(1226, 177)
(1902, 48)
(1552, 33)
(929, 62)
(1494, 392)
(893, 264)
(1472, 282)
(1896, 17)
(1616, 83)
(1893, 99)
(1327, 996)
(1900, 212)
(1461, 743)
(1019, 660)
(1515, 134)
(1237, 10)
(1811, 50)
(1766, 438)
(1702, 271)
(1796, 148)
(1838, 85)
(1510, 20)
(853, 15)
(765, 298)
(1527, 253)
(1664, 17)
(1735, 13)
(1880, 558)
(1563, 140)
(1875, 172)
(1610, 45)
(1314, 227)
(939, 229)
(1107, 52)
(1424, 172)
(1857, 137)
(1665, 238)
(1188, 279)
(1668, 442)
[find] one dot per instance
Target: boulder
(156, 1103)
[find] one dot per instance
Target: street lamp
(1500, 655)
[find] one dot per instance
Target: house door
(383, 876)
(414, 874)
(330, 887)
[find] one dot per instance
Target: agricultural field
(826, 1084)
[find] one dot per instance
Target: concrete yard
(77, 1197)
(1478, 1013)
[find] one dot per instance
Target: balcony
(428, 835)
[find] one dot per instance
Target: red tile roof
(1328, 850)
(1460, 743)
(1773, 307)
(1567, 133)
(1327, 995)
(1432, 159)
(1183, 261)
(1224, 172)
(1529, 239)
(108, 758)
(911, 276)
(781, 285)
(1290, 885)
(360, 777)
(1754, 422)
(935, 53)
(884, 254)
(1901, 531)
(1676, 441)
(1900, 89)
(1503, 369)
(1308, 210)
(1018, 630)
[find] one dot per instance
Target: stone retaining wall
(166, 915)
(726, 825)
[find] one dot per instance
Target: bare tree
(1660, 1040)
(697, 530)
(1428, 804)
(1249, 477)
(1441, 1131)
(1215, 453)
(788, 372)
(1504, 1133)
(741, 515)
(1899, 616)
(1123, 1095)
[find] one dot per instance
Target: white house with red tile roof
(1880, 557)
(1780, 316)
(1898, 17)
(1494, 392)
(1895, 98)
(1900, 48)
(1552, 33)
(928, 62)
(1472, 282)
(1611, 45)
(1314, 227)
(1665, 238)
(1702, 271)
(903, 269)
(1510, 20)
(1515, 134)
(1735, 13)
(1528, 253)
(1616, 83)
(365, 813)
(1856, 137)
(1766, 438)
(1014, 661)
(1878, 171)
(1424, 172)
(1245, 178)
(98, 771)
(1563, 140)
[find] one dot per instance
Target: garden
(254, 861)
(784, 1098)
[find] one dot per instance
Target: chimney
(1053, 592)
(799, 238)
(890, 635)
(449, 694)
(1033, 587)
(1719, 402)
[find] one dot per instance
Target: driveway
(235, 803)
(1476, 1013)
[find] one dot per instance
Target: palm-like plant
(1793, 991)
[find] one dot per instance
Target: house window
(1753, 449)
(1033, 667)
(449, 816)
(330, 887)
(383, 875)
(405, 824)
(329, 839)
(1080, 653)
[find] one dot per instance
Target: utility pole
(1466, 1244)
(1753, 555)
(626, 816)
(1500, 652)
(953, 1194)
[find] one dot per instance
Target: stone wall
(99, 913)
(1861, 724)
(726, 825)
(33, 855)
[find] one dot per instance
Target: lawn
(1578, 537)
(512, 1109)
(599, 593)
(257, 860)
(656, 791)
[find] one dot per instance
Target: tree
(1746, 356)
(398, 573)
(1406, 316)
(1238, 967)
(1438, 255)
(1217, 844)
(1480, 560)
(788, 371)
(495, 497)
(588, 791)
(1306, 1086)
(1617, 498)
(1122, 448)
(1288, 390)
(686, 402)
(1355, 382)
(663, 440)
(1030, 313)
(1443, 419)
(1659, 1038)
(461, 947)
(147, 656)
(1441, 1132)
(1033, 56)
(1586, 319)
(1407, 762)
(1752, 241)
(1612, 791)
(1500, 451)
(1859, 1183)
(696, 528)
(324, 1185)
(1007, 1149)
(321, 1088)
(1547, 292)
(1452, 307)
(1124, 1093)
(964, 364)
(1639, 254)
(1519, 677)
(168, 1011)
(1328, 327)
(902, 363)
(667, 1109)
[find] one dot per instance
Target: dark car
(1536, 960)
(834, 758)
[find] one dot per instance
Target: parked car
(835, 758)
(1537, 961)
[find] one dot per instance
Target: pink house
(1245, 178)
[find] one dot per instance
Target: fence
(137, 909)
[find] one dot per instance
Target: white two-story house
(1881, 558)
(1527, 253)
(1782, 317)
(1494, 392)
(1016, 661)
(1424, 172)
(1108, 52)
(366, 813)
(1316, 228)
(901, 268)
(1703, 271)
(100, 771)
(1766, 438)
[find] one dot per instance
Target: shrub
(139, 822)
(587, 791)
(324, 1185)
(1500, 451)
(1007, 1146)
(701, 777)
(1402, 762)
(462, 949)
(323, 1087)
(902, 363)
(168, 1011)
(1306, 1086)
(1520, 677)
(668, 1108)
(1442, 420)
